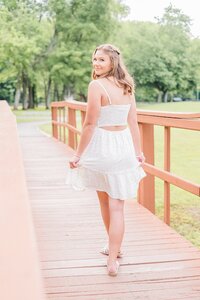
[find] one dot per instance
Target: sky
(147, 10)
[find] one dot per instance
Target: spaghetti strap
(105, 91)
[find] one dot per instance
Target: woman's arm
(92, 114)
(134, 129)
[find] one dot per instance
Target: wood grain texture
(20, 274)
(158, 264)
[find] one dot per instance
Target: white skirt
(108, 164)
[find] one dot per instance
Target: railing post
(146, 195)
(64, 128)
(167, 168)
(72, 122)
(59, 116)
(83, 113)
(54, 117)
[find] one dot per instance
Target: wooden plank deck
(157, 264)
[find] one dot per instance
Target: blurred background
(46, 48)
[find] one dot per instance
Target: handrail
(64, 116)
(20, 274)
(178, 115)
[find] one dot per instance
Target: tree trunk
(26, 100)
(48, 94)
(17, 95)
(165, 97)
(30, 96)
(68, 94)
(64, 92)
(159, 99)
(34, 95)
(56, 93)
(25, 94)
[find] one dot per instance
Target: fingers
(73, 164)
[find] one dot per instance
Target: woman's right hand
(141, 158)
(73, 163)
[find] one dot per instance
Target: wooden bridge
(51, 235)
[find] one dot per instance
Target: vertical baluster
(83, 113)
(59, 126)
(167, 168)
(146, 195)
(64, 122)
(71, 121)
(54, 116)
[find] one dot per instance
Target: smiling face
(101, 63)
(107, 62)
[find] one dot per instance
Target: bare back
(113, 95)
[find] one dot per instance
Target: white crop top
(113, 114)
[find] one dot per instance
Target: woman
(109, 157)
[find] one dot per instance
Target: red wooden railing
(20, 274)
(65, 116)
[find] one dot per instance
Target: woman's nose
(95, 63)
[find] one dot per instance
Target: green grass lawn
(185, 162)
(22, 112)
(185, 106)
(32, 115)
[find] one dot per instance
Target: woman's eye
(98, 59)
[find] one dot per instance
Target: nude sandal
(105, 251)
(114, 272)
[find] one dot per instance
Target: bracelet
(77, 156)
(142, 154)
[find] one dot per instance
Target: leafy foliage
(52, 42)
(162, 57)
(46, 48)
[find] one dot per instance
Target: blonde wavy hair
(118, 70)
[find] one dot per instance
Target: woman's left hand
(73, 163)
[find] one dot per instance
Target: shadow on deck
(158, 263)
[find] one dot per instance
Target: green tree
(193, 72)
(79, 26)
(156, 54)
(48, 45)
(24, 42)
(175, 36)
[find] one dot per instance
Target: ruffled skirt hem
(118, 185)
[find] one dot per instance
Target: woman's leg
(104, 205)
(116, 229)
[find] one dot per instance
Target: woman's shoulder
(94, 88)
(95, 82)
(95, 85)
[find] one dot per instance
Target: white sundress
(109, 162)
